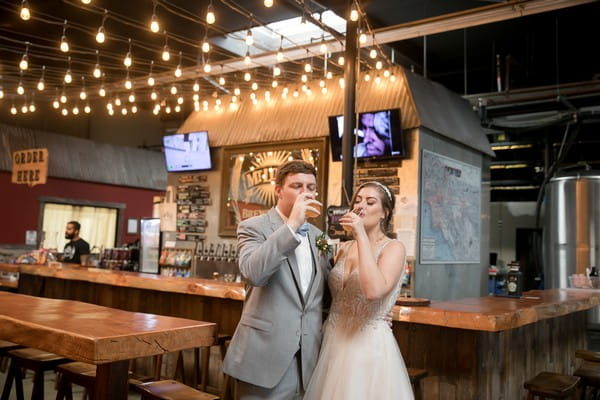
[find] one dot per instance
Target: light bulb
(64, 45)
(128, 84)
(150, 81)
(131, 98)
(280, 55)
(109, 106)
(118, 101)
(24, 109)
(68, 77)
(304, 88)
(341, 60)
(342, 82)
(252, 96)
(249, 38)
(127, 61)
(97, 72)
(247, 76)
(86, 2)
(41, 85)
(378, 65)
(168, 109)
(83, 95)
(111, 112)
(304, 78)
(180, 100)
(65, 112)
(166, 56)
(13, 110)
(196, 86)
(24, 64)
(210, 15)
(63, 98)
(156, 111)
(134, 109)
(296, 93)
(247, 59)
(55, 104)
(32, 107)
(237, 91)
(393, 78)
(100, 36)
(87, 109)
(221, 80)
(367, 77)
(20, 89)
(324, 90)
(102, 92)
(323, 48)
(268, 3)
(378, 79)
(373, 53)
(276, 71)
(173, 90)
(354, 14)
(386, 73)
(178, 72)
(124, 111)
(25, 12)
(205, 46)
(195, 97)
(329, 74)
(1, 93)
(254, 85)
(322, 83)
(274, 84)
(153, 95)
(154, 26)
(362, 38)
(177, 108)
(307, 67)
(207, 67)
(75, 110)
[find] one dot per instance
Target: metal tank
(571, 228)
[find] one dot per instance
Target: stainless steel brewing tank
(572, 230)
(571, 226)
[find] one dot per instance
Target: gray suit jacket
(277, 320)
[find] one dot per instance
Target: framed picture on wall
(132, 226)
(248, 181)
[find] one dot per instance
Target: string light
(247, 76)
(131, 97)
(221, 79)
(329, 74)
(124, 111)
(237, 91)
(362, 38)
(154, 25)
(128, 60)
(377, 79)
(373, 53)
(165, 54)
(63, 96)
(13, 110)
(196, 86)
(308, 64)
(20, 88)
(24, 63)
(276, 71)
(386, 73)
(207, 67)
(323, 47)
(102, 91)
(180, 100)
(268, 3)
(296, 93)
(274, 84)
(133, 109)
(101, 36)
(83, 94)
(280, 51)
(25, 13)
(150, 78)
(254, 85)
(247, 59)
(173, 90)
(64, 44)
(68, 77)
(354, 13)
(178, 69)
(322, 83)
(65, 112)
(24, 108)
(367, 77)
(249, 38)
(1, 93)
(177, 108)
(86, 2)
(195, 97)
(205, 44)
(378, 65)
(210, 15)
(75, 110)
(341, 60)
(393, 78)
(32, 106)
(153, 95)
(41, 84)
(97, 73)
(342, 82)
(117, 101)
(87, 109)
(324, 90)
(304, 78)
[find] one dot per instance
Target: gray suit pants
(289, 388)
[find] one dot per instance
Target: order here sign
(30, 167)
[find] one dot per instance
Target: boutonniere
(323, 244)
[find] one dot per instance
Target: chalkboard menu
(192, 197)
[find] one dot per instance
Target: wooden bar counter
(475, 348)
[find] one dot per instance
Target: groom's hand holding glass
(304, 207)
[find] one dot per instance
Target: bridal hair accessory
(382, 186)
(323, 244)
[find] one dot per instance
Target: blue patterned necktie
(303, 230)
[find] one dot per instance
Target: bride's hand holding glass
(352, 221)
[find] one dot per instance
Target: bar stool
(589, 371)
(78, 373)
(5, 347)
(36, 360)
(171, 390)
(415, 375)
(550, 385)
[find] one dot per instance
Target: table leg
(111, 381)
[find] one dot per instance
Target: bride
(359, 356)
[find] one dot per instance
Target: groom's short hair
(293, 167)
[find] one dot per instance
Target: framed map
(450, 211)
(249, 171)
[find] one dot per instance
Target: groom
(276, 344)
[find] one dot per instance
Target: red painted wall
(20, 206)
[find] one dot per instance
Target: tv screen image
(378, 134)
(187, 152)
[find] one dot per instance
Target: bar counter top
(495, 314)
(195, 286)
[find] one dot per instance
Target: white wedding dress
(359, 357)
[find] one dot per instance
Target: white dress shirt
(303, 257)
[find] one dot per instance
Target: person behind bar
(76, 246)
(276, 344)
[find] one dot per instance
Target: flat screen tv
(378, 134)
(187, 152)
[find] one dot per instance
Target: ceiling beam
(444, 23)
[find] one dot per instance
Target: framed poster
(248, 184)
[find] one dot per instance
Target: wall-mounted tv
(187, 152)
(378, 135)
